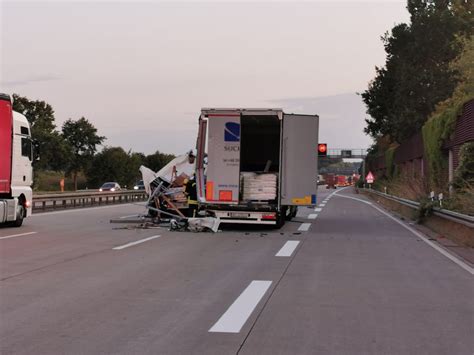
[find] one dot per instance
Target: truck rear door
(223, 169)
(299, 160)
(6, 129)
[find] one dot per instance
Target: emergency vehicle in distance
(16, 171)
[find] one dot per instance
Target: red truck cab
(16, 172)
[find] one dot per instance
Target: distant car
(110, 186)
(139, 185)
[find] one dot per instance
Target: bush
(464, 174)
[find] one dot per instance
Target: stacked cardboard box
(259, 187)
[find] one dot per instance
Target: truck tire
(281, 217)
(291, 213)
(20, 216)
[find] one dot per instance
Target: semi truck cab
(16, 157)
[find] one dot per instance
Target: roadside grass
(48, 182)
(418, 189)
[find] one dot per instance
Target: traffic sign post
(370, 178)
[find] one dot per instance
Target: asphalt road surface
(345, 278)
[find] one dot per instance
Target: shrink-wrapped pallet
(259, 187)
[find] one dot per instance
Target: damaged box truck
(255, 166)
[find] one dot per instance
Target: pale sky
(141, 71)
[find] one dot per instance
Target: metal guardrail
(440, 212)
(51, 202)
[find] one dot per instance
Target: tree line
(418, 73)
(75, 148)
(427, 78)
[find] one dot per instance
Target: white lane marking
(322, 204)
(237, 314)
(288, 248)
(41, 214)
(312, 216)
(136, 242)
(459, 262)
(17, 235)
(355, 198)
(304, 227)
(318, 209)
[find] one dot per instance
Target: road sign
(346, 153)
(370, 178)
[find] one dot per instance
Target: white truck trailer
(16, 173)
(255, 166)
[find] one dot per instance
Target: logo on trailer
(232, 132)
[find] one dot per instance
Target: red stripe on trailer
(6, 131)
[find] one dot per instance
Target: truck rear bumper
(245, 217)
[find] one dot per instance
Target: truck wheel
(281, 217)
(19, 216)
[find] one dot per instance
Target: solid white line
(135, 243)
(312, 216)
(288, 248)
(304, 227)
(355, 198)
(430, 243)
(237, 314)
(17, 235)
(459, 262)
(318, 209)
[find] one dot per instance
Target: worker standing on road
(191, 192)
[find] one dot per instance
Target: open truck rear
(255, 166)
(16, 171)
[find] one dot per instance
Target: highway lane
(355, 282)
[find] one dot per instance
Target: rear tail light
(27, 204)
(271, 216)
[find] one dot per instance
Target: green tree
(158, 160)
(83, 139)
(417, 74)
(114, 164)
(51, 151)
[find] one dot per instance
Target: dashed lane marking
(312, 216)
(238, 313)
(136, 242)
(18, 235)
(304, 227)
(288, 248)
(318, 209)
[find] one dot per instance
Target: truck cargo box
(257, 160)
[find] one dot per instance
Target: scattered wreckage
(169, 202)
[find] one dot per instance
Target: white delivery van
(256, 165)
